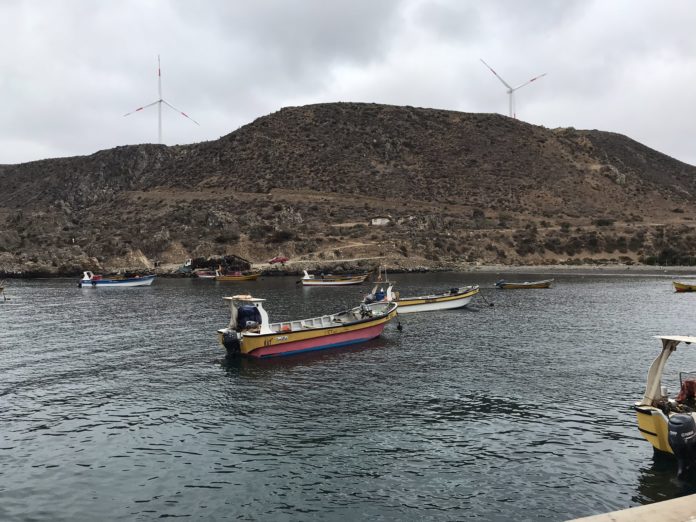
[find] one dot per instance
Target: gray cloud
(77, 66)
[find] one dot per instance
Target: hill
(307, 181)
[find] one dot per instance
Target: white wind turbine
(511, 90)
(159, 103)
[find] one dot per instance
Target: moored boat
(453, 298)
(669, 424)
(332, 280)
(251, 334)
(684, 287)
(511, 285)
(204, 273)
(236, 276)
(91, 280)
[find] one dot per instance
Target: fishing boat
(454, 298)
(669, 423)
(91, 280)
(251, 334)
(510, 285)
(684, 287)
(236, 276)
(332, 280)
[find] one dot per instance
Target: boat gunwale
(315, 329)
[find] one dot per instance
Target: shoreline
(628, 270)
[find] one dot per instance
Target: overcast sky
(70, 69)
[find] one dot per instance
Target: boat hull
(432, 303)
(653, 426)
(115, 283)
(243, 277)
(279, 344)
(520, 286)
(683, 287)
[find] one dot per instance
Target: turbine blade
(496, 74)
(180, 112)
(528, 82)
(143, 107)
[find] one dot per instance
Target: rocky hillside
(306, 182)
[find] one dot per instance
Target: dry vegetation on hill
(305, 182)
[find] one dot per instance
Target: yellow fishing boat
(684, 287)
(669, 424)
(250, 332)
(236, 276)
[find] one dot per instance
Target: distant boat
(90, 280)
(204, 273)
(509, 285)
(251, 334)
(236, 276)
(332, 280)
(684, 287)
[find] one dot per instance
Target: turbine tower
(511, 90)
(159, 103)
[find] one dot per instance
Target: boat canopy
(237, 302)
(678, 338)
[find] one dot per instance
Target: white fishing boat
(519, 285)
(454, 298)
(91, 280)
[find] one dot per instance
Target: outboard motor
(682, 440)
(230, 340)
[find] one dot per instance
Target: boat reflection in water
(656, 481)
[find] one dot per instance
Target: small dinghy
(511, 285)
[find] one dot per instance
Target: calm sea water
(118, 404)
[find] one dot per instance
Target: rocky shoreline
(291, 269)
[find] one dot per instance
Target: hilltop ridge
(457, 188)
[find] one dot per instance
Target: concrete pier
(682, 509)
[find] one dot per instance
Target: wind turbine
(511, 90)
(159, 103)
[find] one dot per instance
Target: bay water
(118, 404)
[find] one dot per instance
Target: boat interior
(452, 291)
(327, 321)
(685, 401)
